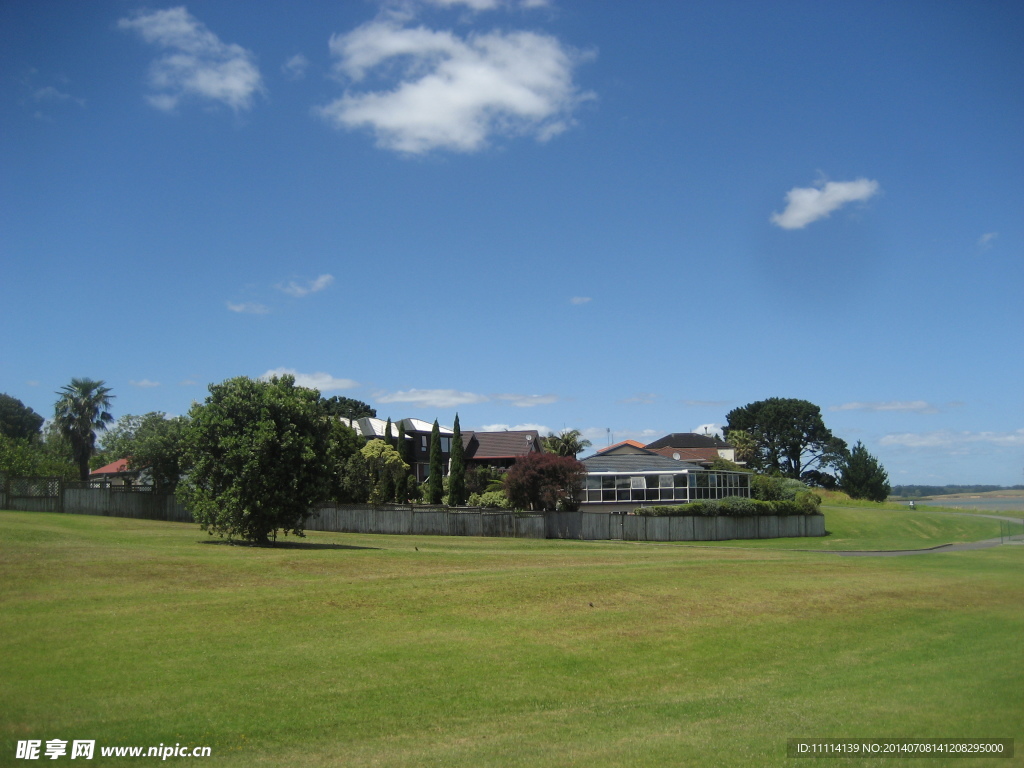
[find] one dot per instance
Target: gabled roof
(689, 440)
(370, 427)
(625, 463)
(621, 445)
(418, 425)
(501, 445)
(113, 468)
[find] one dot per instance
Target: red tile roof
(634, 443)
(114, 468)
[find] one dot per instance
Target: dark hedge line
(805, 503)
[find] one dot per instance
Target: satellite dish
(529, 438)
(676, 456)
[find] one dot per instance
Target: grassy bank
(874, 527)
(434, 651)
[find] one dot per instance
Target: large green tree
(406, 483)
(118, 441)
(32, 458)
(457, 469)
(158, 450)
(385, 468)
(81, 412)
(151, 443)
(568, 442)
(791, 438)
(258, 456)
(17, 420)
(863, 477)
(348, 407)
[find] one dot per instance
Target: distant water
(1015, 506)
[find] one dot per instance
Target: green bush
(489, 500)
(737, 506)
(808, 501)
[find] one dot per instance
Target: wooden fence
(600, 526)
(52, 495)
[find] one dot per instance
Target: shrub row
(805, 503)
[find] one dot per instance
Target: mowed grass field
(359, 650)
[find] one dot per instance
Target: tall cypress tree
(457, 470)
(387, 492)
(435, 480)
(402, 485)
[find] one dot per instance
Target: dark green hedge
(734, 506)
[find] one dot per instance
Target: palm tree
(80, 413)
(744, 444)
(568, 442)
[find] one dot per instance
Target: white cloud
(144, 383)
(323, 382)
(913, 406)
(249, 308)
(527, 401)
(296, 67)
(431, 398)
(451, 398)
(986, 240)
(807, 204)
(453, 93)
(712, 430)
(49, 94)
(945, 439)
(579, 300)
(489, 5)
(313, 286)
(198, 64)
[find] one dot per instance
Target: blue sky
(626, 218)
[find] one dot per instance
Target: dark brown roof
(501, 445)
(688, 440)
(688, 454)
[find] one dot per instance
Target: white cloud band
(808, 204)
(323, 382)
(913, 406)
(948, 440)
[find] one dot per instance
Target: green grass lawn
(365, 650)
(870, 527)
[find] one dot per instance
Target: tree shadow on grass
(299, 545)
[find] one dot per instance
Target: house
(117, 473)
(689, 446)
(625, 480)
(499, 449)
(624, 447)
(417, 440)
(481, 449)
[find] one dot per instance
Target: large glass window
(677, 488)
